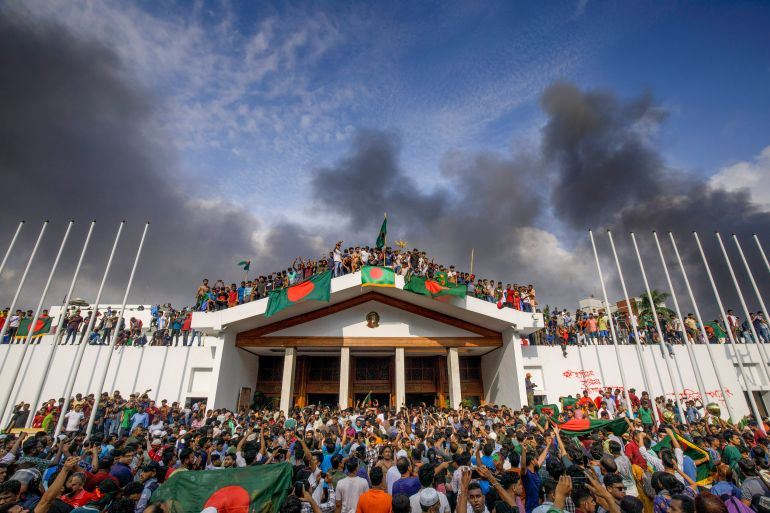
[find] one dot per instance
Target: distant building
(593, 305)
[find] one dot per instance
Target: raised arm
(54, 491)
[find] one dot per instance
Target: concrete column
(453, 373)
(344, 377)
(400, 377)
(287, 383)
(502, 371)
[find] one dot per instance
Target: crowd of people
(583, 328)
(373, 459)
(341, 261)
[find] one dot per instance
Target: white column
(400, 377)
(287, 382)
(453, 374)
(502, 372)
(344, 377)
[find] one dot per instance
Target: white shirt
(349, 490)
(443, 503)
(391, 477)
(73, 420)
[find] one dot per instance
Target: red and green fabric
(383, 235)
(433, 287)
(42, 327)
(581, 427)
(318, 287)
(258, 489)
(568, 403)
(716, 329)
(552, 410)
(702, 471)
(246, 264)
(377, 276)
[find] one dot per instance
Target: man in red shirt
(632, 448)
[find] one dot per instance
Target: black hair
(608, 464)
(400, 503)
(426, 475)
(614, 448)
(351, 466)
(631, 504)
(612, 479)
(688, 505)
(375, 476)
(579, 495)
(402, 464)
(132, 488)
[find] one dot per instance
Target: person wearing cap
(422, 501)
(148, 476)
(376, 499)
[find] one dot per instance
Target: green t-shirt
(730, 455)
(646, 415)
(127, 414)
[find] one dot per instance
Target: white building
(419, 350)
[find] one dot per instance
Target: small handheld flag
(381, 238)
(245, 264)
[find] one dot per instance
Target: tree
(659, 298)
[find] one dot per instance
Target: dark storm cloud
(606, 173)
(79, 140)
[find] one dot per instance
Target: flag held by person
(318, 287)
(256, 489)
(698, 455)
(580, 427)
(245, 264)
(383, 235)
(377, 276)
(42, 327)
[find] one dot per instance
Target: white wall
(165, 370)
(502, 372)
(236, 368)
(394, 322)
(596, 366)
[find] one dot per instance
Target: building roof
(345, 289)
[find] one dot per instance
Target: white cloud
(752, 177)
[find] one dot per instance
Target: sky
(266, 131)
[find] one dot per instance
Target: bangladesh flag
(580, 427)
(716, 329)
(318, 287)
(703, 470)
(551, 410)
(258, 489)
(42, 327)
(434, 287)
(246, 264)
(376, 276)
(568, 403)
(383, 234)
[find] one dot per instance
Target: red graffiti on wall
(587, 378)
(692, 395)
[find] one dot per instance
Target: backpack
(734, 505)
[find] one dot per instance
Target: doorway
(418, 399)
(323, 399)
(377, 399)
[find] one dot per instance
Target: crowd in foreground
(372, 459)
(341, 261)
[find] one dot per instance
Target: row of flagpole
(6, 404)
(677, 388)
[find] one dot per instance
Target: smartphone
(299, 489)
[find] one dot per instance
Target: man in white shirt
(350, 488)
(74, 417)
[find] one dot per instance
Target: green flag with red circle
(255, 489)
(318, 287)
(377, 276)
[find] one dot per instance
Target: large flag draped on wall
(433, 287)
(42, 327)
(258, 489)
(318, 287)
(377, 276)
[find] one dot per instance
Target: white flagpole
(629, 409)
(702, 329)
(756, 289)
(7, 392)
(663, 348)
(695, 366)
(10, 246)
(637, 345)
(730, 335)
(12, 308)
(51, 355)
(82, 346)
(762, 252)
(103, 377)
(743, 305)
